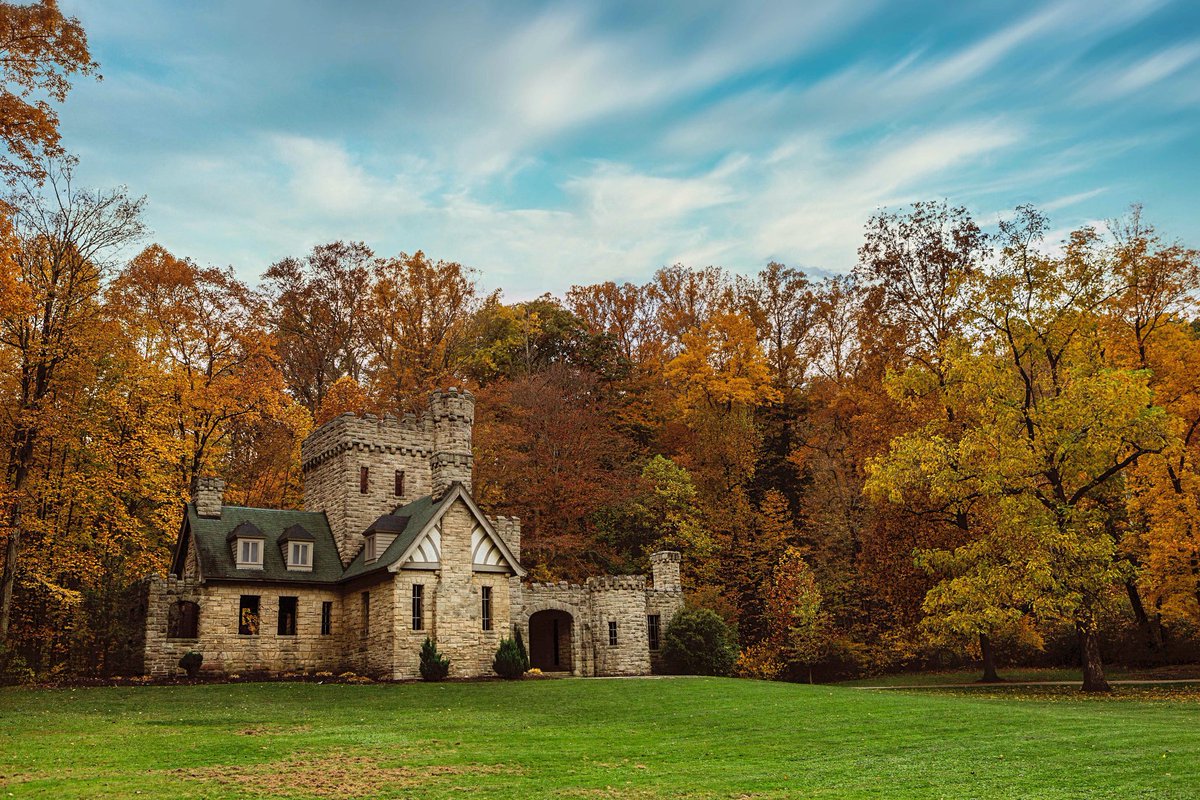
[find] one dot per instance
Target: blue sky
(554, 144)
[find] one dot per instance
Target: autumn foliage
(972, 445)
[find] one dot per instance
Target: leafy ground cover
(642, 738)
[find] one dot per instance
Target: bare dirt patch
(334, 774)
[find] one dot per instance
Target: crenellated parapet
(391, 435)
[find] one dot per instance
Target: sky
(547, 145)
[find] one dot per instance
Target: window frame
(398, 489)
(305, 549)
(243, 546)
(284, 626)
(485, 610)
(327, 618)
(654, 631)
(249, 624)
(418, 606)
(612, 633)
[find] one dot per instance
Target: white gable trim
(429, 547)
(459, 492)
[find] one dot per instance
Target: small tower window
(364, 475)
(399, 483)
(612, 633)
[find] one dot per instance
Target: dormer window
(249, 552)
(247, 542)
(300, 555)
(369, 553)
(296, 547)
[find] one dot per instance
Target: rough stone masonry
(389, 549)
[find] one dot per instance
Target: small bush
(521, 648)
(509, 663)
(759, 662)
(698, 642)
(434, 667)
(190, 662)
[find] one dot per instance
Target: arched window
(183, 620)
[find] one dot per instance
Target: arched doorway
(550, 634)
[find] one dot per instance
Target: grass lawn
(689, 737)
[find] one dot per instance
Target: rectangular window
(287, 616)
(486, 595)
(399, 483)
(369, 549)
(327, 618)
(248, 615)
(652, 626)
(250, 551)
(299, 555)
(366, 613)
(612, 633)
(418, 607)
(363, 477)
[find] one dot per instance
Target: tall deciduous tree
(65, 239)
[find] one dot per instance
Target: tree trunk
(1152, 631)
(989, 660)
(1089, 657)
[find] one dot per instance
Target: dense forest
(975, 444)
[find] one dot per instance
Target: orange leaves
(40, 50)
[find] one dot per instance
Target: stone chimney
(453, 413)
(665, 567)
(208, 496)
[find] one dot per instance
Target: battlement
(617, 583)
(389, 434)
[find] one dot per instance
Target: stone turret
(453, 415)
(209, 496)
(665, 567)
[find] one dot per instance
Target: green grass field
(647, 738)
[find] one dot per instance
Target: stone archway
(552, 640)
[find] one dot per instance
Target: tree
(1053, 428)
(415, 324)
(40, 50)
(796, 626)
(318, 310)
(780, 304)
(66, 237)
(722, 366)
(201, 326)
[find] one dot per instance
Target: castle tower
(664, 566)
(453, 415)
(359, 468)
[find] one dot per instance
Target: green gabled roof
(216, 556)
(419, 512)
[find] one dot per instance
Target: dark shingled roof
(297, 533)
(388, 523)
(417, 514)
(211, 536)
(246, 530)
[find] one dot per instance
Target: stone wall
(369, 648)
(333, 455)
(227, 651)
(457, 602)
(453, 415)
(620, 600)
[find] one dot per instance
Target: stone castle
(389, 549)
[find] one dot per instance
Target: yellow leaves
(722, 366)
